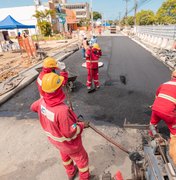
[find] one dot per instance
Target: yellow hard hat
(51, 82)
(96, 45)
(173, 75)
(50, 62)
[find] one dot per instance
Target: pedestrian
(84, 46)
(93, 54)
(61, 126)
(93, 39)
(20, 42)
(51, 65)
(164, 108)
(99, 31)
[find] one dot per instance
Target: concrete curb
(30, 75)
(168, 64)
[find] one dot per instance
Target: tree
(96, 15)
(43, 21)
(166, 14)
(84, 22)
(145, 17)
(130, 20)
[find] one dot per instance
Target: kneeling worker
(164, 108)
(61, 126)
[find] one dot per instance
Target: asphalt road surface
(129, 79)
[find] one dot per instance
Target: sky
(110, 9)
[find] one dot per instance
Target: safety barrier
(162, 37)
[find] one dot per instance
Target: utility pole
(126, 12)
(135, 10)
(119, 18)
(91, 10)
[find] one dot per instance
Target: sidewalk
(23, 73)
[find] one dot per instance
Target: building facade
(81, 9)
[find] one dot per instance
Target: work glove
(172, 149)
(86, 124)
(150, 131)
(61, 65)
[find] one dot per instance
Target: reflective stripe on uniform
(92, 61)
(171, 83)
(62, 139)
(66, 163)
(170, 98)
(95, 80)
(39, 81)
(84, 169)
(172, 135)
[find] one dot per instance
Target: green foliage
(43, 21)
(166, 14)
(84, 22)
(45, 28)
(96, 15)
(111, 22)
(130, 20)
(145, 17)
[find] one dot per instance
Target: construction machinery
(155, 162)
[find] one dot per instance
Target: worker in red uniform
(61, 126)
(50, 65)
(164, 108)
(93, 54)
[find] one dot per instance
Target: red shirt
(60, 124)
(92, 57)
(165, 101)
(49, 70)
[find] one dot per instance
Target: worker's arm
(68, 125)
(157, 91)
(34, 107)
(65, 75)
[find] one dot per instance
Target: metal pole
(91, 15)
(135, 10)
(126, 12)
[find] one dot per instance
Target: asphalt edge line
(153, 53)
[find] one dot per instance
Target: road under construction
(129, 78)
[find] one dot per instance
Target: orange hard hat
(50, 62)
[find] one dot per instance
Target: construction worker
(164, 108)
(84, 46)
(51, 65)
(61, 126)
(93, 54)
(93, 39)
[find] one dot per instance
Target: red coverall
(164, 106)
(63, 131)
(92, 57)
(48, 70)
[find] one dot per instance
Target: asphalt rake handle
(108, 138)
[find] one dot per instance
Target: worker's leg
(68, 164)
(89, 78)
(82, 161)
(96, 77)
(83, 53)
(155, 118)
(171, 123)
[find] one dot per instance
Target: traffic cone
(118, 176)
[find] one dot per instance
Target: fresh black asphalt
(129, 79)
